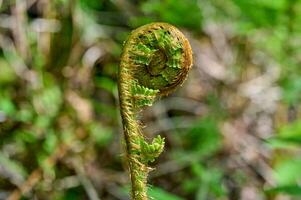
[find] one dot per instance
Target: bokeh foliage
(59, 117)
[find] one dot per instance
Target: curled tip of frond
(158, 56)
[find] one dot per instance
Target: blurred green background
(233, 131)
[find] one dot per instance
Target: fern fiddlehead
(156, 59)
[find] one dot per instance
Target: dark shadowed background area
(233, 130)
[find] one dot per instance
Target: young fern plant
(156, 59)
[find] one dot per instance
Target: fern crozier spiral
(156, 59)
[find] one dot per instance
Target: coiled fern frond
(156, 59)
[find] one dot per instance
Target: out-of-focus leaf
(160, 194)
(110, 111)
(12, 169)
(7, 106)
(284, 142)
(106, 83)
(261, 13)
(73, 194)
(25, 114)
(61, 40)
(288, 171)
(50, 142)
(7, 74)
(48, 101)
(25, 136)
(47, 167)
(204, 136)
(291, 89)
(91, 4)
(205, 182)
(101, 134)
(291, 130)
(286, 189)
(42, 122)
(277, 5)
(185, 13)
(289, 136)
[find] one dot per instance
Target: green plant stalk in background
(156, 59)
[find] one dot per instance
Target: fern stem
(138, 171)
